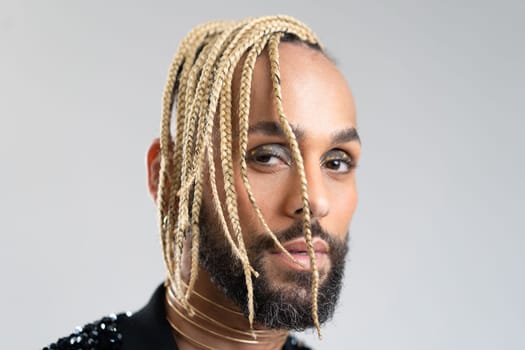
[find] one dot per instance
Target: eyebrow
(271, 128)
(346, 135)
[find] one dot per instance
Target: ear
(153, 167)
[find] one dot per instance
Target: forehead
(316, 97)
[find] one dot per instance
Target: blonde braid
(192, 142)
(243, 111)
(204, 132)
(273, 51)
(167, 208)
(187, 127)
(187, 175)
(226, 67)
(225, 74)
(203, 68)
(229, 188)
(166, 221)
(273, 25)
(192, 150)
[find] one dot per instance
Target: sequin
(101, 335)
(105, 335)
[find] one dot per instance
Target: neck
(215, 322)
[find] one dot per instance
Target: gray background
(438, 243)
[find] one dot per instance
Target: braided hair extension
(198, 96)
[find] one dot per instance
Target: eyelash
(280, 152)
(269, 151)
(343, 157)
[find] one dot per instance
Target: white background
(437, 250)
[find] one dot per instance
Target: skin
(320, 107)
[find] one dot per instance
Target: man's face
(319, 107)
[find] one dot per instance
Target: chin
(282, 292)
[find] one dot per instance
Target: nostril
(299, 211)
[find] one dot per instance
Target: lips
(298, 246)
(298, 250)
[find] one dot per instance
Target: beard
(286, 306)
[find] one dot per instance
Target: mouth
(299, 246)
(299, 251)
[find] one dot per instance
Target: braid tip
(319, 335)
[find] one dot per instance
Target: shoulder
(143, 330)
(104, 334)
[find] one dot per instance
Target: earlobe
(153, 167)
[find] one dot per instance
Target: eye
(338, 161)
(270, 155)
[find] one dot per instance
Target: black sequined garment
(146, 329)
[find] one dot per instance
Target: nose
(318, 194)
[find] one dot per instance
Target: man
(253, 175)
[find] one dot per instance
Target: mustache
(265, 242)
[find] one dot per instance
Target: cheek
(247, 214)
(342, 208)
(246, 211)
(268, 192)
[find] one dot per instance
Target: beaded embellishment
(105, 335)
(100, 335)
